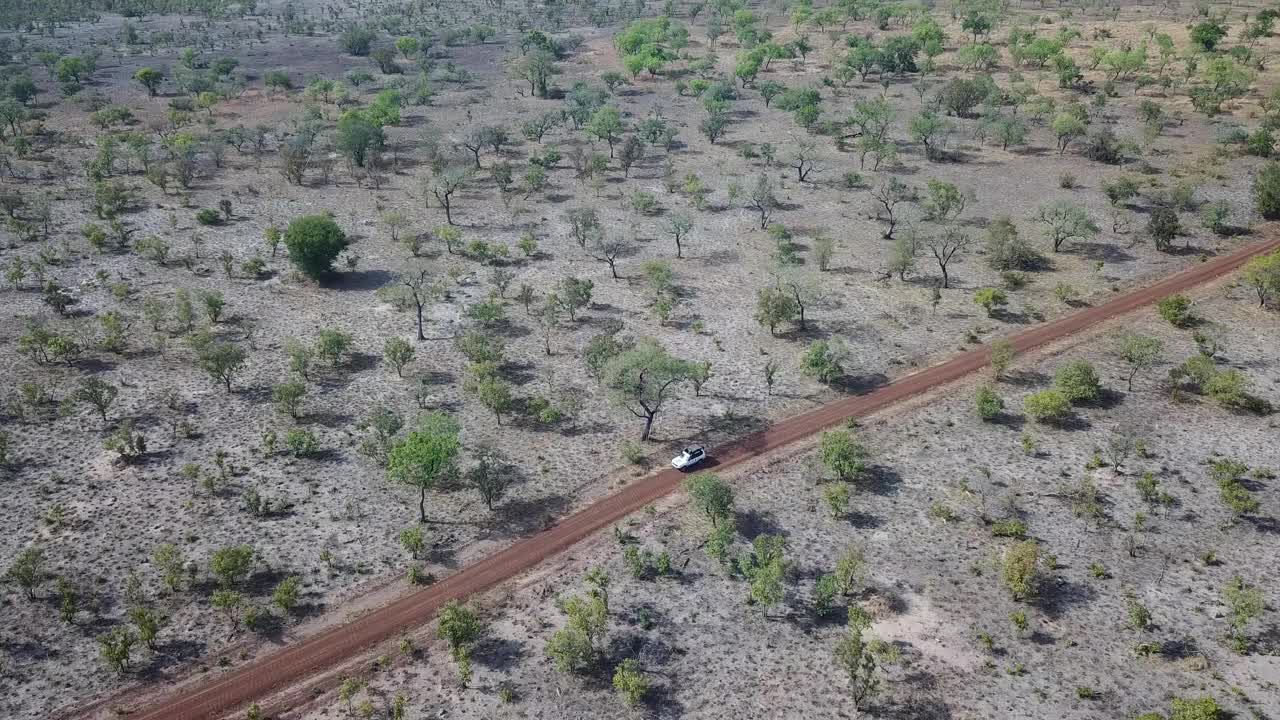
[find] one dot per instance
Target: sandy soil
(339, 531)
(933, 585)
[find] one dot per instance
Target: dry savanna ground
(1130, 610)
(124, 207)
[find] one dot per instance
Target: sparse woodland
(305, 301)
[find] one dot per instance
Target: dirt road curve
(315, 654)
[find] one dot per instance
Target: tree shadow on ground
(172, 654)
(327, 418)
(860, 384)
(359, 280)
(863, 521)
(881, 480)
(25, 651)
(1013, 421)
(519, 373)
(264, 581)
(1024, 378)
(1107, 399)
(499, 654)
(661, 701)
(1264, 524)
(754, 523)
(436, 377)
(912, 708)
(1107, 252)
(519, 517)
(1057, 598)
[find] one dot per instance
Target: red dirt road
(323, 651)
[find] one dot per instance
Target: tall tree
(642, 379)
(945, 247)
(413, 287)
(426, 456)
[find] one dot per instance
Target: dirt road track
(297, 662)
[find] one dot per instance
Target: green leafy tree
(944, 202)
(462, 628)
(1067, 127)
(149, 78)
(1263, 275)
(1139, 352)
(775, 306)
(630, 682)
(1176, 310)
(1078, 382)
(766, 568)
(930, 130)
(606, 124)
(844, 455)
(488, 476)
(988, 402)
(836, 495)
(27, 571)
(1065, 222)
(222, 361)
(408, 46)
(426, 456)
(1163, 226)
(398, 353)
(232, 564)
(855, 658)
(578, 645)
(333, 345)
(1244, 603)
(1266, 191)
(712, 495)
(359, 137)
(824, 361)
(990, 299)
(288, 397)
(285, 595)
(643, 377)
(314, 242)
(168, 559)
(116, 648)
(148, 623)
(1208, 34)
(1204, 708)
(1047, 406)
(97, 393)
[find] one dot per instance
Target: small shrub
(836, 495)
(1010, 529)
(989, 404)
(301, 443)
(1047, 406)
(208, 216)
(1078, 382)
(990, 299)
(632, 452)
(1021, 570)
(1176, 309)
(1266, 191)
(644, 202)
